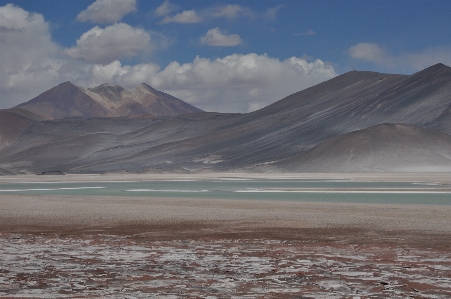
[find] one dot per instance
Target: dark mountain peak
(440, 66)
(66, 84)
(438, 69)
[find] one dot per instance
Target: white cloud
(165, 8)
(215, 37)
(185, 17)
(111, 43)
(368, 52)
(406, 62)
(308, 32)
(107, 11)
(271, 13)
(227, 11)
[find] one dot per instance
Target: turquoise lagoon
(249, 189)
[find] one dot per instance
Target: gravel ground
(103, 266)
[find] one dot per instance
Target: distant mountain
(381, 148)
(68, 100)
(285, 136)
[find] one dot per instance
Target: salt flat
(111, 266)
(97, 246)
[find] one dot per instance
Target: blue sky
(230, 56)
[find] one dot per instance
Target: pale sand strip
(191, 218)
(444, 178)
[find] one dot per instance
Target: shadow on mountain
(381, 148)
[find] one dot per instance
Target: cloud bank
(234, 83)
(107, 11)
(30, 58)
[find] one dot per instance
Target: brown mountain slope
(106, 100)
(12, 123)
(381, 148)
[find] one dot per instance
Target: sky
(228, 56)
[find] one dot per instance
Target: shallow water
(252, 189)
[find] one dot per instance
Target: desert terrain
(381, 140)
(151, 247)
(185, 149)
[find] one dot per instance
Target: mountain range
(355, 122)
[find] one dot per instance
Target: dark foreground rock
(52, 172)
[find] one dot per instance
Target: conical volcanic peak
(105, 100)
(65, 100)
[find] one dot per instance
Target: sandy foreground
(70, 246)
